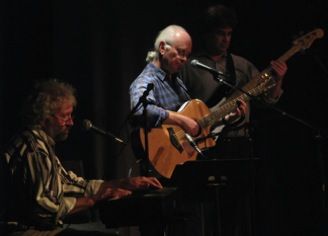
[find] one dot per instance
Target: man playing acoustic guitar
(171, 141)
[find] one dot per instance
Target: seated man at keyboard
(41, 192)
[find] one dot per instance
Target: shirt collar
(44, 136)
(161, 74)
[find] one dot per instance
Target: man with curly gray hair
(44, 102)
(41, 191)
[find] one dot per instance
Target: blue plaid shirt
(167, 94)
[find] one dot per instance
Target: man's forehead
(223, 30)
(65, 106)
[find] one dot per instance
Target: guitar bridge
(174, 140)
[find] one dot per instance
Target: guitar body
(168, 145)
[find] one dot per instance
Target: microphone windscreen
(194, 62)
(86, 124)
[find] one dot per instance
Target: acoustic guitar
(169, 145)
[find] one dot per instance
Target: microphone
(198, 64)
(87, 125)
(194, 145)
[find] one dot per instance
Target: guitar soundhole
(174, 140)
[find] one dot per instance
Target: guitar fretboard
(261, 83)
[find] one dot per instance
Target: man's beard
(62, 136)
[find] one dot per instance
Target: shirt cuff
(93, 187)
(66, 206)
(163, 114)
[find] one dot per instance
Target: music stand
(195, 178)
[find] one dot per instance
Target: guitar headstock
(305, 41)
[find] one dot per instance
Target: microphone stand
(146, 130)
(134, 109)
(272, 107)
(218, 77)
(318, 138)
(144, 102)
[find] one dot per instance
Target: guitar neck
(229, 106)
(285, 57)
(261, 83)
(255, 87)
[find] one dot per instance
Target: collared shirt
(41, 192)
(167, 94)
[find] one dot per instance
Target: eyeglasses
(65, 119)
(182, 53)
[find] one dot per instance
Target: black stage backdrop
(99, 46)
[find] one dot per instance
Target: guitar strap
(179, 89)
(231, 72)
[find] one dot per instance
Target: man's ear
(46, 122)
(167, 46)
(163, 47)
